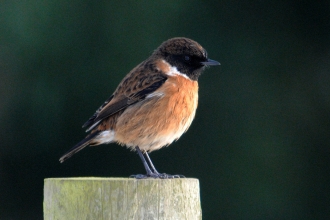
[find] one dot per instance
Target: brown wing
(91, 119)
(134, 88)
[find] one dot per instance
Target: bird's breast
(161, 118)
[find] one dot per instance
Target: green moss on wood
(121, 198)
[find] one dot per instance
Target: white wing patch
(155, 94)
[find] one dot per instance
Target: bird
(153, 105)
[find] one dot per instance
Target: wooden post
(121, 198)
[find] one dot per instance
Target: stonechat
(153, 105)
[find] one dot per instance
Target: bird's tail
(78, 147)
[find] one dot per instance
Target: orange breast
(161, 118)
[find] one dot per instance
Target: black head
(188, 56)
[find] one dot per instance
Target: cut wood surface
(121, 198)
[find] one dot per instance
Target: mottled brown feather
(133, 88)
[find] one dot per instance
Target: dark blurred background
(259, 143)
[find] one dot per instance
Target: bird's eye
(186, 58)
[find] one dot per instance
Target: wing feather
(134, 88)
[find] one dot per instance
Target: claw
(156, 176)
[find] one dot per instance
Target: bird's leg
(150, 163)
(145, 164)
(151, 172)
(160, 175)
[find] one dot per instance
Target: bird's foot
(157, 176)
(169, 176)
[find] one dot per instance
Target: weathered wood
(121, 198)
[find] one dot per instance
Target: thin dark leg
(145, 164)
(160, 175)
(153, 173)
(150, 163)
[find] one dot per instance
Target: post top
(114, 179)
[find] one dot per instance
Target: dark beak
(210, 62)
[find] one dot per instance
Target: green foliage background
(259, 144)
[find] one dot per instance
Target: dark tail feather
(78, 147)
